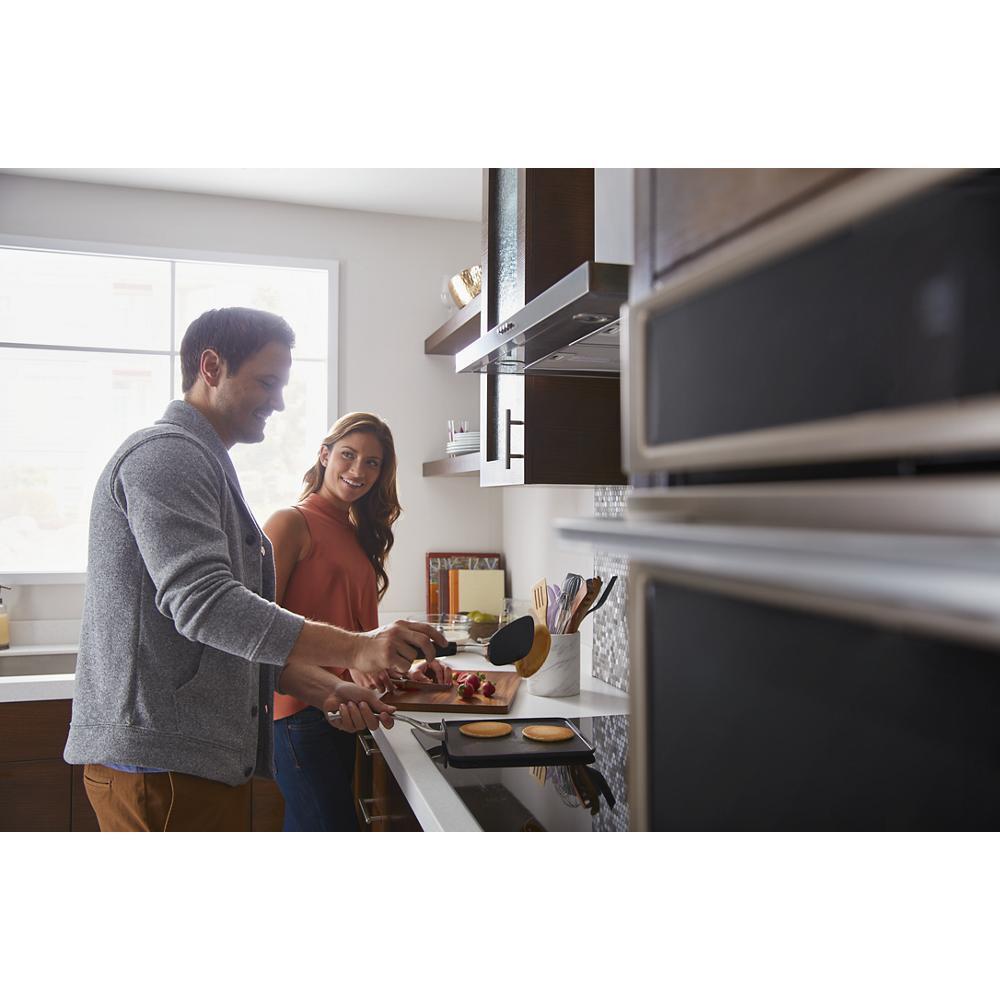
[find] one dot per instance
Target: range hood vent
(570, 329)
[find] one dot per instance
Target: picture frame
(437, 561)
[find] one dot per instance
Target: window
(89, 353)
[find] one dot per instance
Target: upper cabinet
(681, 214)
(548, 352)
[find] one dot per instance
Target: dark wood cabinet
(538, 226)
(39, 791)
(681, 214)
(35, 782)
(550, 430)
(380, 802)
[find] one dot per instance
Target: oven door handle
(948, 587)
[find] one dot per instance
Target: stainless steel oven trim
(924, 429)
(951, 505)
(943, 586)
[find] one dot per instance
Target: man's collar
(183, 414)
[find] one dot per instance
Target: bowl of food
(454, 627)
(466, 285)
(482, 625)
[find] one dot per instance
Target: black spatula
(506, 645)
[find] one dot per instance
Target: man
(182, 646)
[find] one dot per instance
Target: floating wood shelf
(458, 465)
(455, 335)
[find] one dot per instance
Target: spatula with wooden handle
(540, 600)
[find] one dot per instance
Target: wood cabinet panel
(35, 796)
(381, 804)
(33, 730)
(694, 210)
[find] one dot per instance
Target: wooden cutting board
(506, 682)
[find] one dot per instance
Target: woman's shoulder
(288, 527)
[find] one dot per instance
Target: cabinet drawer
(697, 209)
(33, 730)
(35, 796)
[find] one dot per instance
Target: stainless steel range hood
(570, 329)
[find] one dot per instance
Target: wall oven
(811, 425)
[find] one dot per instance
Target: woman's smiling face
(353, 465)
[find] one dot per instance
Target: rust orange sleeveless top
(335, 583)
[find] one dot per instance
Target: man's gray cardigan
(181, 644)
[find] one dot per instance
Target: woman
(329, 556)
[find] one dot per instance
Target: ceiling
(442, 193)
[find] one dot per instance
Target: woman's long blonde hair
(375, 513)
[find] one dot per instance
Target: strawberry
(474, 680)
(466, 691)
(488, 689)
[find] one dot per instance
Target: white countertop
(434, 802)
(36, 687)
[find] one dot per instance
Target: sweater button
(263, 552)
(251, 539)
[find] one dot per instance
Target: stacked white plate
(463, 443)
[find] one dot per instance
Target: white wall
(390, 277)
(531, 548)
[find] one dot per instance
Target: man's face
(244, 401)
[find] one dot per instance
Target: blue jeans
(314, 765)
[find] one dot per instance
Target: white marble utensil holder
(559, 675)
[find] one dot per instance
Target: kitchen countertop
(432, 799)
(36, 687)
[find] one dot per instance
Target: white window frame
(10, 241)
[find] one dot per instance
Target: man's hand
(431, 673)
(358, 707)
(388, 652)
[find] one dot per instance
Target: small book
(443, 592)
(480, 590)
(453, 602)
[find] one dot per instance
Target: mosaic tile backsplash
(610, 662)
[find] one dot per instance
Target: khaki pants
(126, 802)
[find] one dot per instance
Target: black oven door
(840, 334)
(765, 700)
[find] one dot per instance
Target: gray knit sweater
(181, 642)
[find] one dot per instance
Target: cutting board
(506, 682)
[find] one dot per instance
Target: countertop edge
(433, 800)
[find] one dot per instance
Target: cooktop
(578, 797)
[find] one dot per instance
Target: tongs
(435, 729)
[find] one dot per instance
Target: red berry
(466, 691)
(488, 689)
(473, 679)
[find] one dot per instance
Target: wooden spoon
(593, 589)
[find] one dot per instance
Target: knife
(411, 685)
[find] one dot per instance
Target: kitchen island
(434, 799)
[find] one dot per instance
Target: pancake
(485, 730)
(547, 734)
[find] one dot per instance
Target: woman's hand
(360, 708)
(434, 673)
(388, 652)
